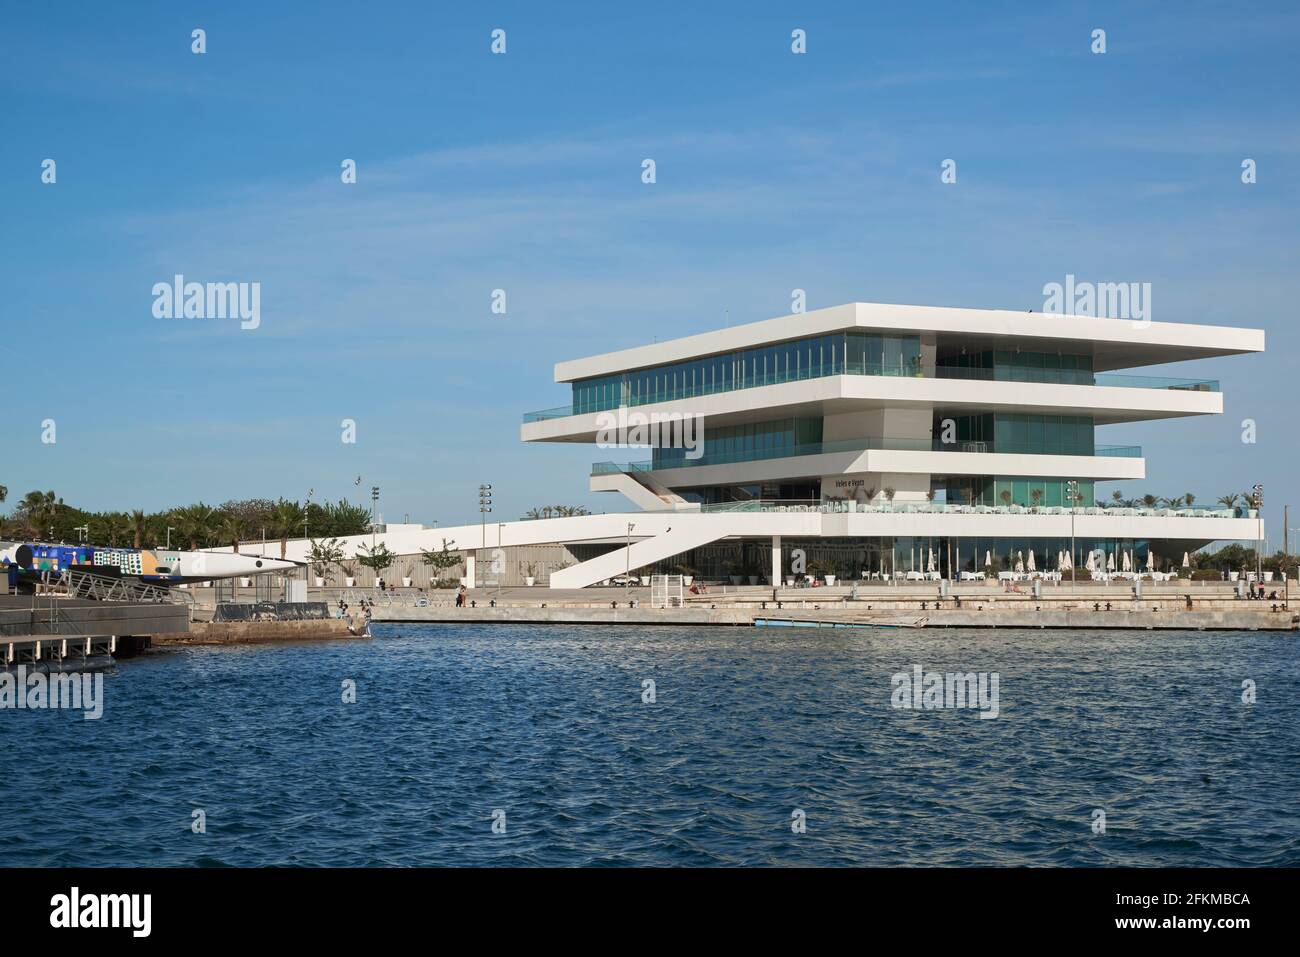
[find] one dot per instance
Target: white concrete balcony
(1129, 399)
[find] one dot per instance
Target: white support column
(469, 569)
(776, 561)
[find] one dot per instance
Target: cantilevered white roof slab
(1113, 343)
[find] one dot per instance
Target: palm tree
(115, 526)
(195, 523)
(40, 510)
(139, 524)
(1227, 501)
(231, 529)
(4, 493)
(1189, 498)
(1150, 501)
(286, 519)
(1118, 496)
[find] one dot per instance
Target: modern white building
(874, 440)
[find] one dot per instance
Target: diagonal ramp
(645, 552)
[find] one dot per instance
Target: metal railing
(78, 584)
(835, 507)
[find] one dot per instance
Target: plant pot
(687, 579)
(246, 582)
(320, 582)
(737, 579)
(753, 579)
(406, 583)
(830, 580)
(789, 582)
(350, 582)
(529, 581)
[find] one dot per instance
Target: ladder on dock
(79, 584)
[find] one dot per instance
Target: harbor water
(693, 745)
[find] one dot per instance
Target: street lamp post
(1259, 536)
(374, 515)
(1072, 489)
(627, 573)
(484, 507)
(169, 535)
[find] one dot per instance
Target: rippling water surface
(547, 724)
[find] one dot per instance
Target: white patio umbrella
(929, 565)
(1091, 564)
(988, 558)
(1069, 561)
(1032, 566)
(1128, 561)
(1020, 561)
(1187, 560)
(1110, 562)
(1151, 560)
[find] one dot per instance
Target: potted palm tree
(531, 577)
(820, 566)
(349, 573)
(687, 573)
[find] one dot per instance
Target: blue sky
(522, 172)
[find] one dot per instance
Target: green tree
(439, 561)
(324, 555)
(139, 526)
(286, 521)
(40, 510)
(194, 522)
(230, 528)
(377, 559)
(344, 519)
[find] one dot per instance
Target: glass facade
(794, 490)
(739, 443)
(1040, 434)
(853, 352)
(1007, 365)
(856, 559)
(1013, 490)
